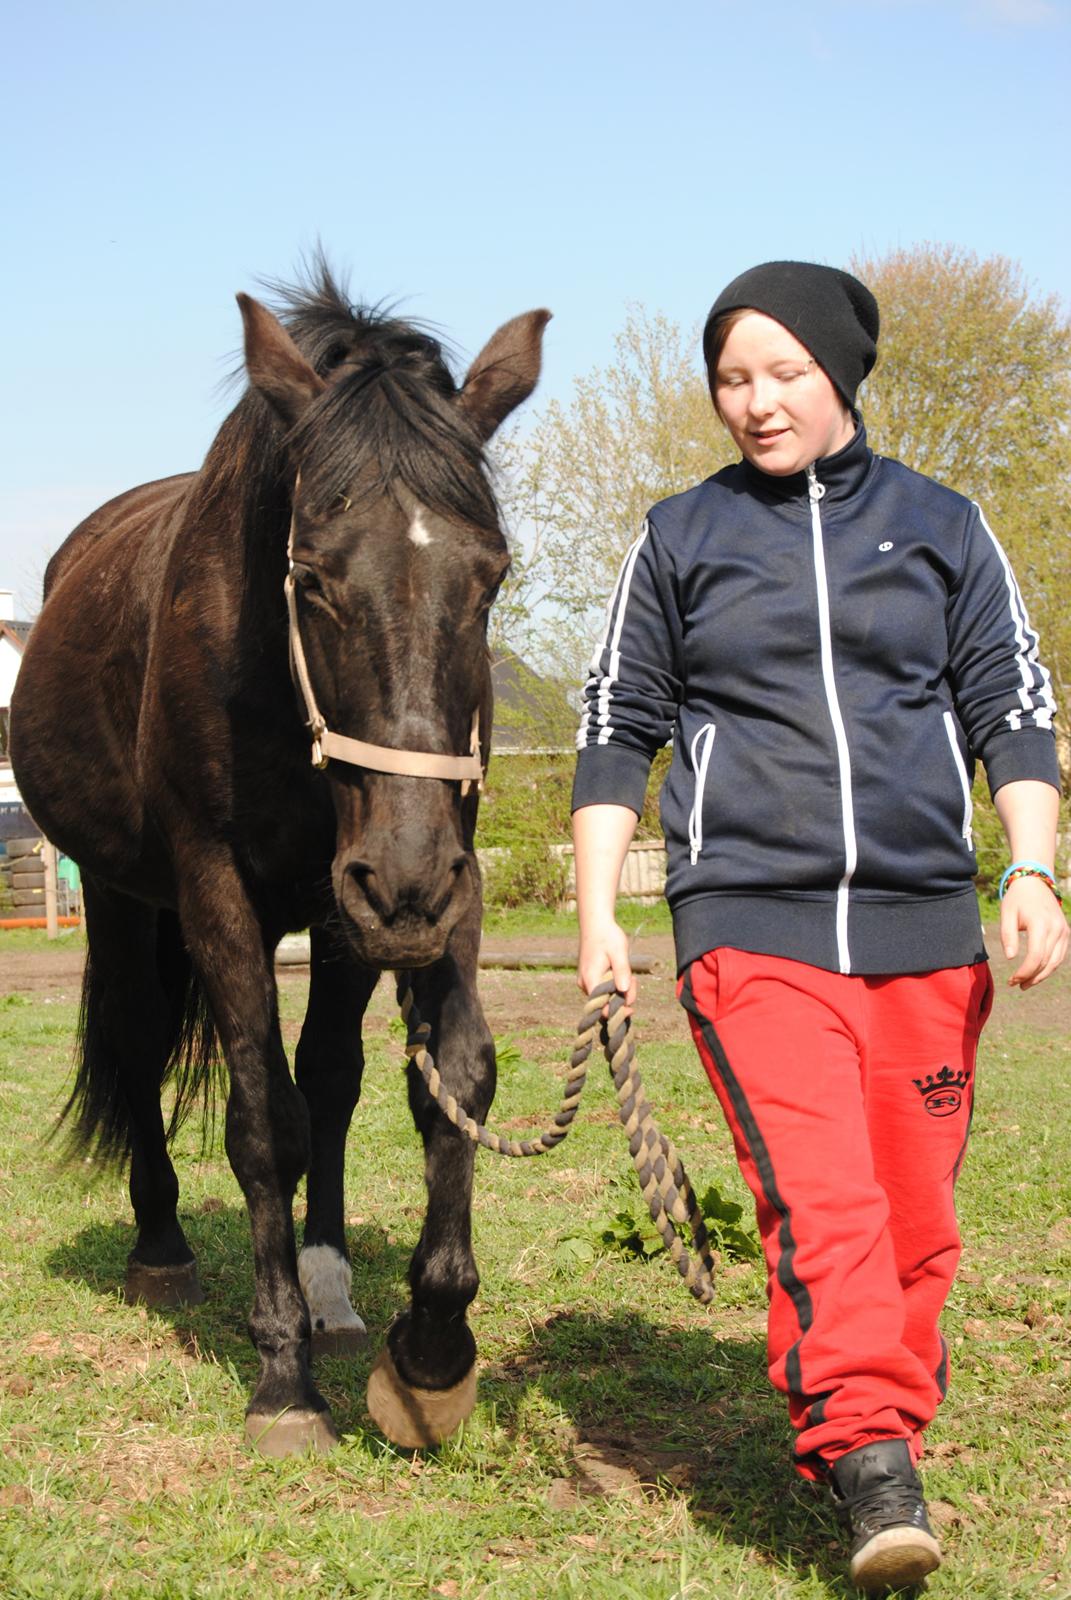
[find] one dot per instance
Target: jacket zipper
(815, 491)
(961, 770)
(700, 763)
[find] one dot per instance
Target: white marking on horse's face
(419, 532)
(325, 1279)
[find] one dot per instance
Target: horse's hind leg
(133, 1001)
(328, 1065)
(424, 1384)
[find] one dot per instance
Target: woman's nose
(763, 398)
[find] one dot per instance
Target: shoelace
(892, 1506)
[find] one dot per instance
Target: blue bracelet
(1030, 866)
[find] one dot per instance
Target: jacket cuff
(1028, 753)
(609, 774)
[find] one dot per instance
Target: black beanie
(830, 312)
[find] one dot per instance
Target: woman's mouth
(769, 435)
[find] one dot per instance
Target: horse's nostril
(362, 873)
(363, 876)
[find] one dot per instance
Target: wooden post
(48, 852)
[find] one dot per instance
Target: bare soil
(546, 1001)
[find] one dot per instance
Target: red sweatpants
(849, 1100)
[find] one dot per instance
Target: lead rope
(669, 1194)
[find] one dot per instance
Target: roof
(17, 632)
(533, 714)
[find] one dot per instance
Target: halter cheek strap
(327, 746)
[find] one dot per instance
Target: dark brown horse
(158, 739)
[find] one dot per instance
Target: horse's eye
(306, 578)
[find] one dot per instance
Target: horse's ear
(275, 364)
(505, 372)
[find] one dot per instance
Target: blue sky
(473, 161)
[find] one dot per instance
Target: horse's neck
(232, 549)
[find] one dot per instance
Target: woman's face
(780, 407)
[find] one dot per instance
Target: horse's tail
(127, 1053)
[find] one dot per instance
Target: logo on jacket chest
(942, 1091)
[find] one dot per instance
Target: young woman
(830, 640)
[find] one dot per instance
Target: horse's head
(397, 556)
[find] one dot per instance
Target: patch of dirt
(548, 1003)
(112, 1353)
(56, 972)
(622, 1461)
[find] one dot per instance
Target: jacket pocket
(964, 781)
(700, 752)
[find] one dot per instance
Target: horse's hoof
(416, 1418)
(162, 1286)
(291, 1432)
(347, 1341)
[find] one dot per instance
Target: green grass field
(625, 1443)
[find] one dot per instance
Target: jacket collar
(843, 474)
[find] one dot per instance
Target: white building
(13, 636)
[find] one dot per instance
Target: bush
(524, 814)
(990, 845)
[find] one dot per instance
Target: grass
(625, 1443)
(517, 922)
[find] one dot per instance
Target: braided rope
(669, 1194)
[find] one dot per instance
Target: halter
(327, 746)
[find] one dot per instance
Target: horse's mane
(388, 416)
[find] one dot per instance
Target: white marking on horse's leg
(325, 1277)
(418, 531)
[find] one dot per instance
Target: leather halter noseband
(376, 757)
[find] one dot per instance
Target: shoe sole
(895, 1558)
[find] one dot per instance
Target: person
(831, 640)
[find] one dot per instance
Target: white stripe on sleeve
(611, 640)
(1039, 686)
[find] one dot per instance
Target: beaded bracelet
(1028, 869)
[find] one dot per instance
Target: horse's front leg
(424, 1384)
(267, 1142)
(328, 1065)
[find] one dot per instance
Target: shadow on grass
(685, 1410)
(674, 1407)
(219, 1238)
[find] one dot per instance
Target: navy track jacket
(830, 652)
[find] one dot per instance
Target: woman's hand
(605, 949)
(1029, 906)
(601, 837)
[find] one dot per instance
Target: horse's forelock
(389, 416)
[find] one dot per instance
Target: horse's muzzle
(398, 919)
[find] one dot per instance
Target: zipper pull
(815, 489)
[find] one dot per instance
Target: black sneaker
(879, 1493)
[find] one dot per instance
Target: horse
(343, 536)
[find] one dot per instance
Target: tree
(577, 487)
(973, 386)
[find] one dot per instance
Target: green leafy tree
(973, 387)
(578, 485)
